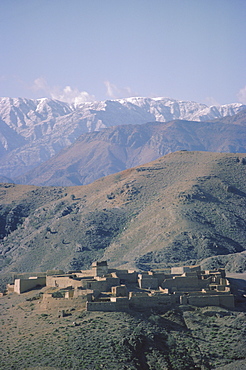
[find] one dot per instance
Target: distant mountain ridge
(32, 131)
(97, 154)
(23, 115)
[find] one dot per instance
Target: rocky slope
(180, 209)
(31, 131)
(101, 153)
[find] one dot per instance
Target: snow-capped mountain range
(35, 118)
(32, 131)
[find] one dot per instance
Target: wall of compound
(204, 300)
(23, 285)
(100, 284)
(148, 282)
(62, 282)
(111, 281)
(181, 283)
(119, 305)
(126, 276)
(86, 273)
(82, 292)
(100, 270)
(160, 276)
(161, 301)
(225, 300)
(119, 291)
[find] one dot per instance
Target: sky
(85, 50)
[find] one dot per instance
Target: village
(105, 289)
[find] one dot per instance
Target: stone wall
(119, 291)
(224, 299)
(62, 282)
(86, 274)
(82, 292)
(69, 294)
(136, 301)
(23, 285)
(112, 281)
(147, 282)
(185, 283)
(155, 301)
(127, 276)
(115, 304)
(100, 268)
(101, 284)
(160, 276)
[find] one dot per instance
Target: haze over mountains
(34, 132)
(101, 153)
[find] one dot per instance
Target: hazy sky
(101, 49)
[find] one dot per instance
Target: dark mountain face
(98, 154)
(183, 208)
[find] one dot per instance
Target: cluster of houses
(107, 289)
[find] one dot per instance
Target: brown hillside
(181, 208)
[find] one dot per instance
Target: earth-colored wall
(226, 300)
(23, 285)
(148, 282)
(62, 282)
(142, 302)
(120, 304)
(119, 291)
(99, 268)
(127, 277)
(180, 283)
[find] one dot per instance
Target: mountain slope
(175, 338)
(44, 126)
(179, 209)
(98, 154)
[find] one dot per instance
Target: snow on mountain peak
(20, 113)
(36, 129)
